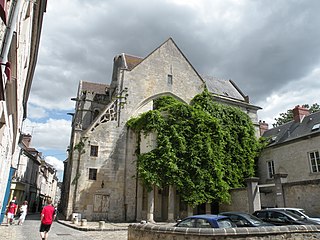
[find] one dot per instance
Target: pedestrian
(47, 216)
(12, 211)
(23, 212)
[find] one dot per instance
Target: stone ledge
(269, 230)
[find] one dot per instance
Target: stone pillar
(253, 194)
(171, 202)
(83, 222)
(101, 224)
(190, 210)
(208, 208)
(279, 178)
(139, 201)
(150, 210)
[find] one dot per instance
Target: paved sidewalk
(6, 230)
(96, 226)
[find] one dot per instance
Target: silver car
(300, 212)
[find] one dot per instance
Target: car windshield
(295, 216)
(254, 219)
(299, 213)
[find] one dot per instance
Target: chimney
(299, 113)
(26, 140)
(263, 126)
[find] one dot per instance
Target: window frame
(92, 174)
(94, 149)
(270, 169)
(170, 79)
(314, 161)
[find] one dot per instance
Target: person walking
(23, 212)
(12, 211)
(47, 216)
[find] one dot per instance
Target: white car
(300, 212)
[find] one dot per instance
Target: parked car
(206, 221)
(242, 219)
(280, 217)
(300, 212)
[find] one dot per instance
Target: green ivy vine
(204, 149)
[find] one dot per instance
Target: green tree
(288, 116)
(203, 149)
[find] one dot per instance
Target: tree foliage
(288, 116)
(203, 149)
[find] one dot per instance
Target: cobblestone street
(30, 231)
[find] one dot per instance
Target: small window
(314, 161)
(270, 169)
(92, 174)
(170, 79)
(94, 151)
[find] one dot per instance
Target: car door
(279, 219)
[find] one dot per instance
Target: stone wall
(302, 194)
(239, 201)
(155, 232)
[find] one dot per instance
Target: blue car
(206, 221)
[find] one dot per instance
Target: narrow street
(30, 231)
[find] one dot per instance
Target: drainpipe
(15, 6)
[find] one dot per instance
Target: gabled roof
(223, 87)
(132, 61)
(99, 88)
(294, 130)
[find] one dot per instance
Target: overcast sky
(269, 48)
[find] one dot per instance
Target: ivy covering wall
(203, 149)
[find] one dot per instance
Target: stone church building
(99, 177)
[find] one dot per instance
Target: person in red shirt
(47, 216)
(12, 210)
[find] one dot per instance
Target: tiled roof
(293, 130)
(222, 87)
(94, 87)
(132, 61)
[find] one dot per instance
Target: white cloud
(37, 112)
(52, 134)
(57, 164)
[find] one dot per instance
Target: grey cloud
(263, 48)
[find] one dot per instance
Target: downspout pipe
(12, 22)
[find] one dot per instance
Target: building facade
(34, 179)
(293, 154)
(20, 30)
(99, 177)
